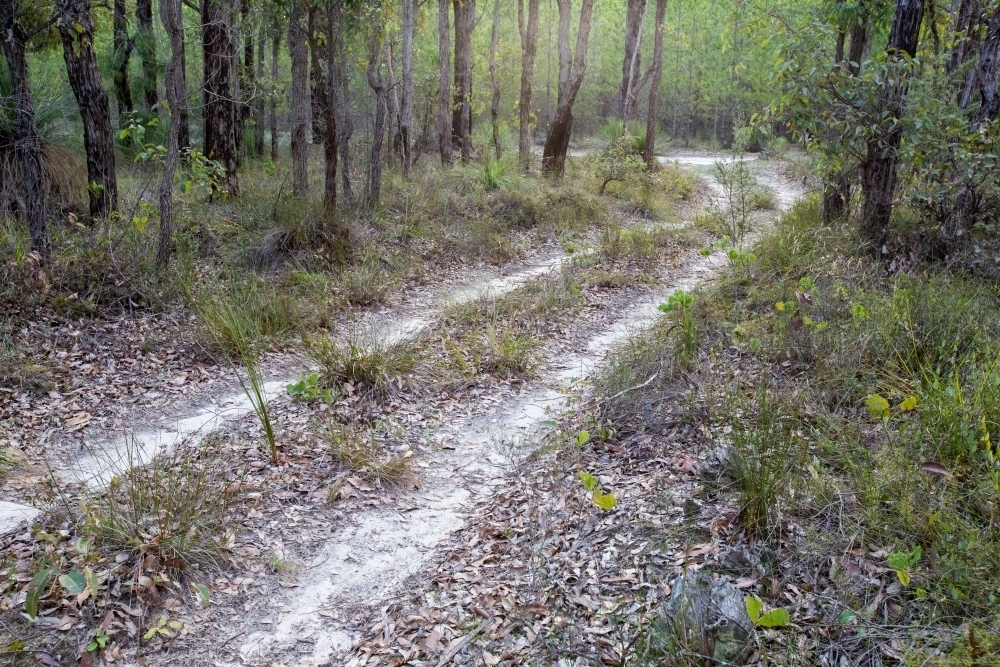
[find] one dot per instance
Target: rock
(706, 617)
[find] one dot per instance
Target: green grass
(367, 360)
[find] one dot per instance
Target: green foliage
(776, 618)
(679, 304)
(307, 389)
(362, 361)
(605, 501)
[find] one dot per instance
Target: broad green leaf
(903, 576)
(74, 582)
(605, 501)
(754, 606)
(776, 618)
(583, 437)
(908, 404)
(36, 587)
(877, 406)
(589, 481)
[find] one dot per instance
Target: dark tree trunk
(219, 114)
(315, 108)
(495, 81)
(652, 119)
(465, 18)
(557, 141)
(529, 45)
(406, 114)
(325, 103)
(184, 129)
(344, 124)
(444, 84)
(966, 35)
(258, 111)
(635, 15)
(273, 121)
(393, 106)
(988, 71)
(146, 44)
(374, 77)
(28, 146)
(171, 17)
(122, 51)
(878, 181)
(77, 31)
(248, 85)
(564, 49)
(299, 55)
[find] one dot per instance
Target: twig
(241, 632)
(462, 643)
(638, 386)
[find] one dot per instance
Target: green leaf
(903, 576)
(877, 406)
(583, 437)
(589, 481)
(845, 617)
(605, 501)
(776, 618)
(548, 423)
(74, 582)
(203, 593)
(36, 587)
(908, 404)
(754, 606)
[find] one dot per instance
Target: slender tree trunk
(444, 84)
(77, 31)
(652, 118)
(275, 49)
(465, 16)
(122, 51)
(374, 77)
(495, 81)
(219, 115)
(529, 45)
(330, 110)
(344, 121)
(248, 87)
(184, 129)
(879, 168)
(146, 43)
(299, 101)
(557, 141)
(315, 111)
(988, 71)
(393, 106)
(635, 16)
(28, 144)
(406, 118)
(171, 17)
(258, 145)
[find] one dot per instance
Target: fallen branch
(459, 645)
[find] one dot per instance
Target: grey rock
(707, 618)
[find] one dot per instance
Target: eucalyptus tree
(635, 16)
(444, 123)
(461, 122)
(176, 94)
(28, 146)
(653, 108)
(299, 53)
(528, 31)
(219, 114)
(76, 28)
(571, 73)
(145, 42)
(406, 113)
(122, 50)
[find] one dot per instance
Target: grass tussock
(362, 452)
(365, 361)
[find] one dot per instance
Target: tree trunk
(248, 87)
(122, 51)
(28, 145)
(330, 109)
(494, 81)
(77, 31)
(879, 168)
(406, 117)
(529, 45)
(184, 129)
(444, 84)
(258, 145)
(565, 52)
(652, 120)
(275, 49)
(374, 77)
(325, 104)
(393, 106)
(344, 122)
(171, 17)
(219, 115)
(557, 141)
(465, 18)
(299, 101)
(146, 44)
(988, 70)
(966, 35)
(635, 16)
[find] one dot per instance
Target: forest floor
(338, 566)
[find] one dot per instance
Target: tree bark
(988, 71)
(330, 143)
(28, 146)
(557, 141)
(325, 103)
(248, 82)
(273, 121)
(171, 17)
(258, 145)
(406, 117)
(344, 121)
(184, 130)
(966, 35)
(219, 114)
(495, 81)
(563, 47)
(299, 101)
(77, 31)
(122, 51)
(146, 44)
(465, 18)
(529, 45)
(374, 77)
(444, 84)
(878, 180)
(652, 120)
(635, 15)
